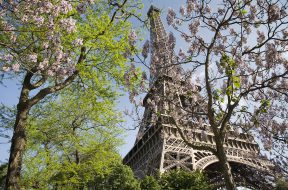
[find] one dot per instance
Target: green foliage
(3, 171)
(69, 136)
(120, 177)
(150, 183)
(282, 185)
(182, 180)
(176, 180)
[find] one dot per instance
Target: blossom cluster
(50, 20)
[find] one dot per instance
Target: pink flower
(274, 13)
(78, 42)
(8, 58)
(132, 37)
(69, 24)
(50, 72)
(65, 6)
(44, 64)
(170, 16)
(24, 18)
(182, 10)
(194, 27)
(81, 8)
(39, 20)
(181, 54)
(32, 58)
(260, 37)
(48, 6)
(16, 67)
(190, 6)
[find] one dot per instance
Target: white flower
(6, 68)
(45, 45)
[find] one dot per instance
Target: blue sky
(9, 93)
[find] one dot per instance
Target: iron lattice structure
(159, 146)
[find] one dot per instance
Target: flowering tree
(238, 50)
(240, 46)
(50, 44)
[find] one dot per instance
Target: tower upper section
(163, 61)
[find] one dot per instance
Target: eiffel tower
(159, 146)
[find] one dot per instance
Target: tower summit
(159, 146)
(162, 48)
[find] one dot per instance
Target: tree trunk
(18, 142)
(225, 166)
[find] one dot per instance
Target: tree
(3, 172)
(120, 177)
(68, 138)
(184, 180)
(281, 185)
(176, 180)
(238, 49)
(245, 47)
(50, 44)
(149, 183)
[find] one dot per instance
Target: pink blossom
(56, 11)
(182, 10)
(181, 54)
(33, 58)
(24, 18)
(16, 67)
(170, 16)
(65, 6)
(81, 8)
(39, 20)
(50, 72)
(44, 64)
(207, 9)
(8, 58)
(194, 26)
(260, 37)
(62, 72)
(190, 6)
(69, 24)
(48, 6)
(132, 37)
(78, 42)
(274, 13)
